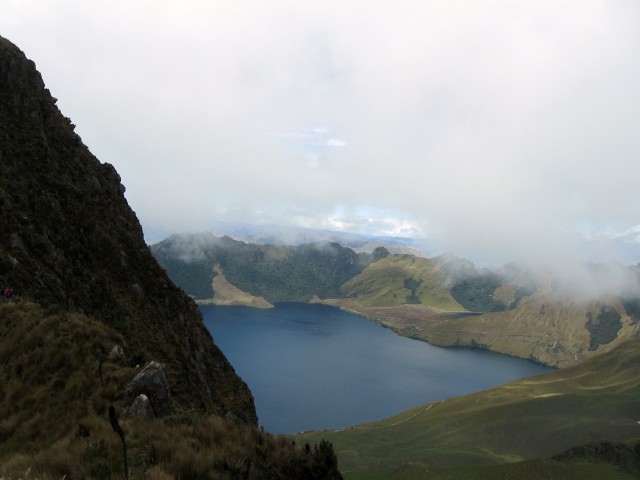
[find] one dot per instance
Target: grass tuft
(55, 424)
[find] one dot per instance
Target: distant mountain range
(292, 235)
(277, 273)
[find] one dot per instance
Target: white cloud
(499, 128)
(336, 142)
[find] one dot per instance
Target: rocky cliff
(69, 241)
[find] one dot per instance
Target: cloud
(502, 130)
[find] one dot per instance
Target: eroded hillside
(69, 238)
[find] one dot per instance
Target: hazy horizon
(495, 130)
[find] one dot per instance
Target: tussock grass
(49, 373)
(29, 476)
(200, 448)
(54, 415)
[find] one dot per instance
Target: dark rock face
(153, 384)
(69, 238)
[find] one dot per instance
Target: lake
(315, 367)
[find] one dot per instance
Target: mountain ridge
(69, 238)
(278, 273)
(92, 311)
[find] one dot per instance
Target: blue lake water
(314, 367)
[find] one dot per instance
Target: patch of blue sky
(315, 145)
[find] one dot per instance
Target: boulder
(141, 408)
(116, 354)
(152, 382)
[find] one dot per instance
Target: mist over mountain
(277, 273)
(559, 316)
(294, 235)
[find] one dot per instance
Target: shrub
(605, 328)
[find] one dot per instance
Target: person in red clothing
(7, 294)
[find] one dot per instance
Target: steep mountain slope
(92, 307)
(69, 238)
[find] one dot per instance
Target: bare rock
(141, 408)
(152, 382)
(116, 354)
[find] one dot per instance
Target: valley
(316, 367)
(443, 300)
(531, 428)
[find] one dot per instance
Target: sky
(497, 130)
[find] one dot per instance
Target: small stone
(116, 354)
(141, 408)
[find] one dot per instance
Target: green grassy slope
(537, 417)
(539, 469)
(381, 284)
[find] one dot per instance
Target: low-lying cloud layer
(500, 130)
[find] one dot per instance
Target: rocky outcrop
(70, 241)
(141, 408)
(152, 383)
(116, 354)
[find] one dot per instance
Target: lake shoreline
(420, 323)
(313, 366)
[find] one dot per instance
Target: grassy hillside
(57, 384)
(384, 283)
(598, 400)
(581, 468)
(446, 301)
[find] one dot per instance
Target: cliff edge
(69, 241)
